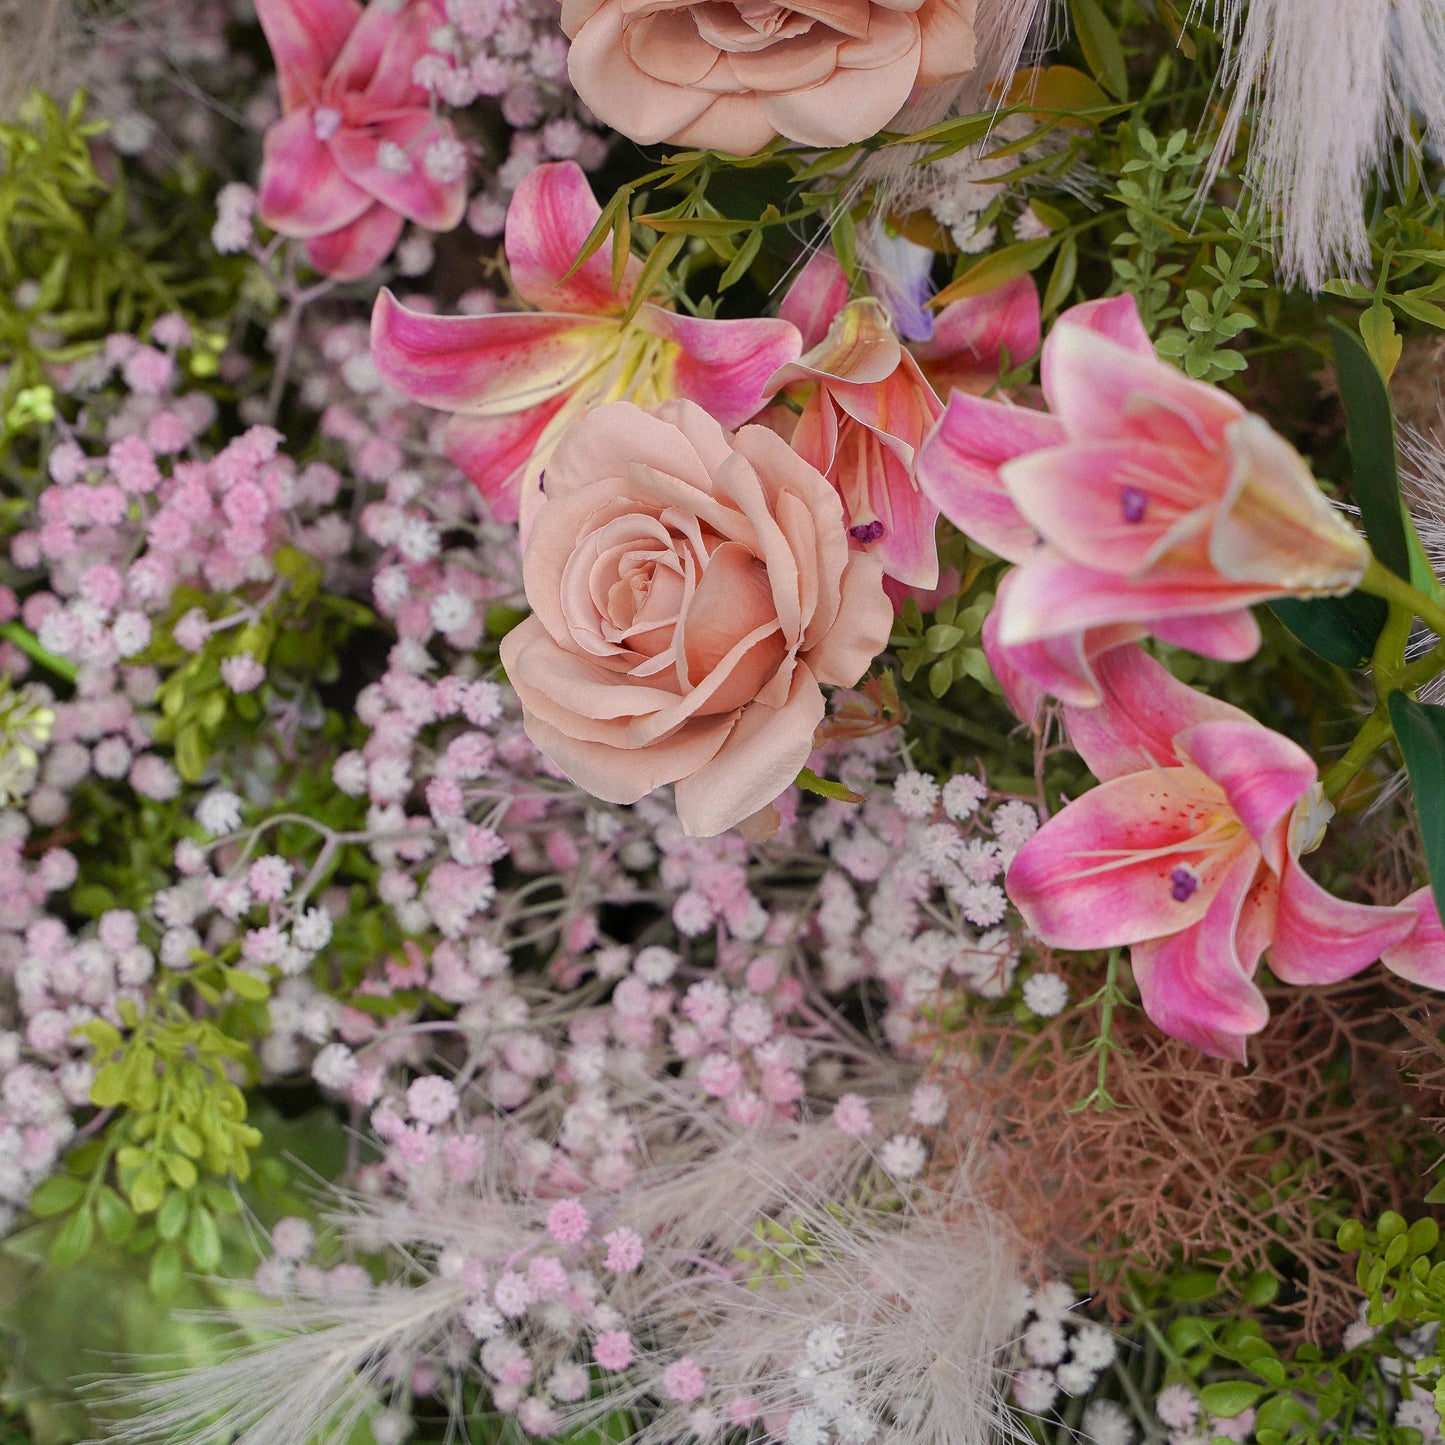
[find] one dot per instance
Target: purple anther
(866, 531)
(1185, 884)
(1133, 503)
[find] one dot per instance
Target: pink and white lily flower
(1141, 499)
(517, 380)
(869, 411)
(357, 151)
(1188, 851)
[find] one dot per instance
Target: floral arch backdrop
(721, 721)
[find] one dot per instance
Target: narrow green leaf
(1061, 279)
(1100, 43)
(1342, 630)
(1005, 264)
(1371, 426)
(654, 268)
(621, 241)
(1420, 728)
(810, 782)
(747, 253)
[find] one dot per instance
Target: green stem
(27, 642)
(1379, 581)
(1376, 731)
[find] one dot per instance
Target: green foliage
(74, 266)
(1214, 318)
(949, 648)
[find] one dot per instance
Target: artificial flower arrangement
(722, 722)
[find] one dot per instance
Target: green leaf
(57, 1194)
(1371, 425)
(1351, 1236)
(171, 1217)
(116, 1217)
(1423, 1236)
(203, 1240)
(166, 1271)
(147, 1190)
(1061, 279)
(1228, 1398)
(1420, 728)
(1342, 630)
(1005, 264)
(810, 782)
(1100, 43)
(1194, 1284)
(1377, 329)
(73, 1242)
(247, 985)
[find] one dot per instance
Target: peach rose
(690, 591)
(732, 74)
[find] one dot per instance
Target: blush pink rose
(732, 74)
(691, 592)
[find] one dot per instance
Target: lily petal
(1100, 873)
(818, 294)
(437, 205)
(1116, 317)
(358, 249)
(1143, 707)
(958, 469)
(972, 335)
(305, 37)
(1195, 986)
(724, 366)
(1321, 939)
(486, 365)
(1421, 956)
(548, 219)
(1103, 391)
(1262, 773)
(381, 52)
(495, 451)
(303, 192)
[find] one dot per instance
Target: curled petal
(550, 216)
(971, 337)
(382, 50)
(1262, 774)
(1321, 939)
(958, 469)
(1420, 957)
(818, 294)
(1142, 709)
(724, 366)
(1115, 317)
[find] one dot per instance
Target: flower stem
(27, 642)
(1379, 581)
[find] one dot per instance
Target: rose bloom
(691, 590)
(731, 76)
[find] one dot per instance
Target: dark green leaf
(1342, 630)
(1420, 727)
(1371, 425)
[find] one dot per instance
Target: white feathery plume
(1327, 86)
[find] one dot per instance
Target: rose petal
(762, 756)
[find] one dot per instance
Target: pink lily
(518, 380)
(1142, 498)
(1188, 850)
(357, 150)
(869, 412)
